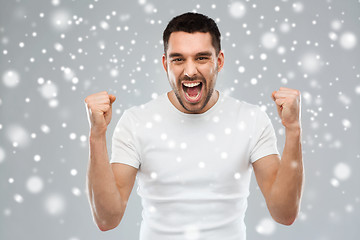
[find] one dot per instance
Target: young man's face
(192, 66)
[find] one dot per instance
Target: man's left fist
(288, 103)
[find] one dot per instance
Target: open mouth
(192, 91)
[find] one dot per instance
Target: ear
(220, 60)
(164, 62)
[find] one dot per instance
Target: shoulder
(141, 112)
(241, 105)
(253, 114)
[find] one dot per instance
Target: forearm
(286, 191)
(105, 200)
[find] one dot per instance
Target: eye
(177, 60)
(202, 58)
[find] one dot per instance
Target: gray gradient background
(330, 207)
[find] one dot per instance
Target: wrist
(97, 134)
(294, 130)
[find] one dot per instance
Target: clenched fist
(288, 103)
(99, 111)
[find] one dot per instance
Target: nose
(190, 69)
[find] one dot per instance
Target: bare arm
(105, 200)
(109, 186)
(281, 182)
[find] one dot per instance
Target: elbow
(108, 219)
(286, 221)
(104, 228)
(286, 218)
(285, 215)
(107, 226)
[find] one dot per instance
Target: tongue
(193, 91)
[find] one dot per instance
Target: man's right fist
(99, 110)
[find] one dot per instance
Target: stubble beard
(177, 94)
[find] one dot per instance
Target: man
(193, 148)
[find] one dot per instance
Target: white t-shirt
(193, 169)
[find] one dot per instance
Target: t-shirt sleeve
(264, 140)
(124, 148)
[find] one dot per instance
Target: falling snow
(348, 40)
(342, 171)
(310, 63)
(17, 135)
(2, 155)
(55, 55)
(266, 226)
(61, 19)
(269, 40)
(54, 204)
(18, 198)
(237, 9)
(11, 78)
(34, 184)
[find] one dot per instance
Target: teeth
(191, 84)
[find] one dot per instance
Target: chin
(194, 107)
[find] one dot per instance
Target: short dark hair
(193, 22)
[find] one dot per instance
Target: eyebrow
(171, 55)
(206, 53)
